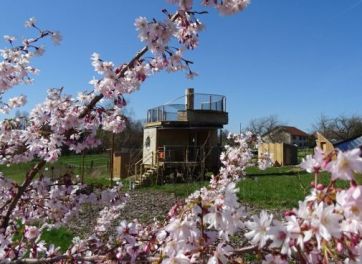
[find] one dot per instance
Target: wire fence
(303, 153)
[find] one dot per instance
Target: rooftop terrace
(193, 107)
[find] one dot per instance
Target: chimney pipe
(189, 98)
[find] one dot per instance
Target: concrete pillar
(189, 98)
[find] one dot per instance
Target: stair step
(146, 176)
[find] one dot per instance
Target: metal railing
(175, 153)
(212, 102)
(165, 112)
(171, 111)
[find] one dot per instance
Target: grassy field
(59, 237)
(181, 190)
(96, 168)
(275, 188)
(278, 188)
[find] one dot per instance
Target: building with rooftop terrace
(181, 139)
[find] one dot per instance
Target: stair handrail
(140, 163)
(136, 165)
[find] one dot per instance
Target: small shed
(120, 165)
(281, 153)
(344, 145)
(324, 144)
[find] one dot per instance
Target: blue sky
(294, 59)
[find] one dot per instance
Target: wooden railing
(139, 166)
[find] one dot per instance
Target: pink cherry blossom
(31, 232)
(313, 163)
(346, 164)
(259, 228)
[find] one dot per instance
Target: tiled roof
(293, 131)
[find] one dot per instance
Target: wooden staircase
(145, 175)
(146, 178)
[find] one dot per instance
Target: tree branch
(246, 249)
(54, 260)
(29, 178)
(130, 64)
(34, 170)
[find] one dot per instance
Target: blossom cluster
(15, 66)
(184, 27)
(44, 204)
(326, 226)
(51, 125)
(225, 7)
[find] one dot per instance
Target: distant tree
(311, 141)
(265, 126)
(130, 138)
(339, 128)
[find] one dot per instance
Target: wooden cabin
(181, 139)
(324, 144)
(282, 154)
(330, 148)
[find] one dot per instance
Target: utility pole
(111, 163)
(82, 175)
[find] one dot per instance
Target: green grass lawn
(96, 168)
(181, 190)
(16, 172)
(59, 237)
(275, 188)
(95, 160)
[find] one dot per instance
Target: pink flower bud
(339, 247)
(320, 187)
(289, 213)
(31, 232)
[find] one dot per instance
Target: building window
(148, 143)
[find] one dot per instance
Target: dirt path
(142, 205)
